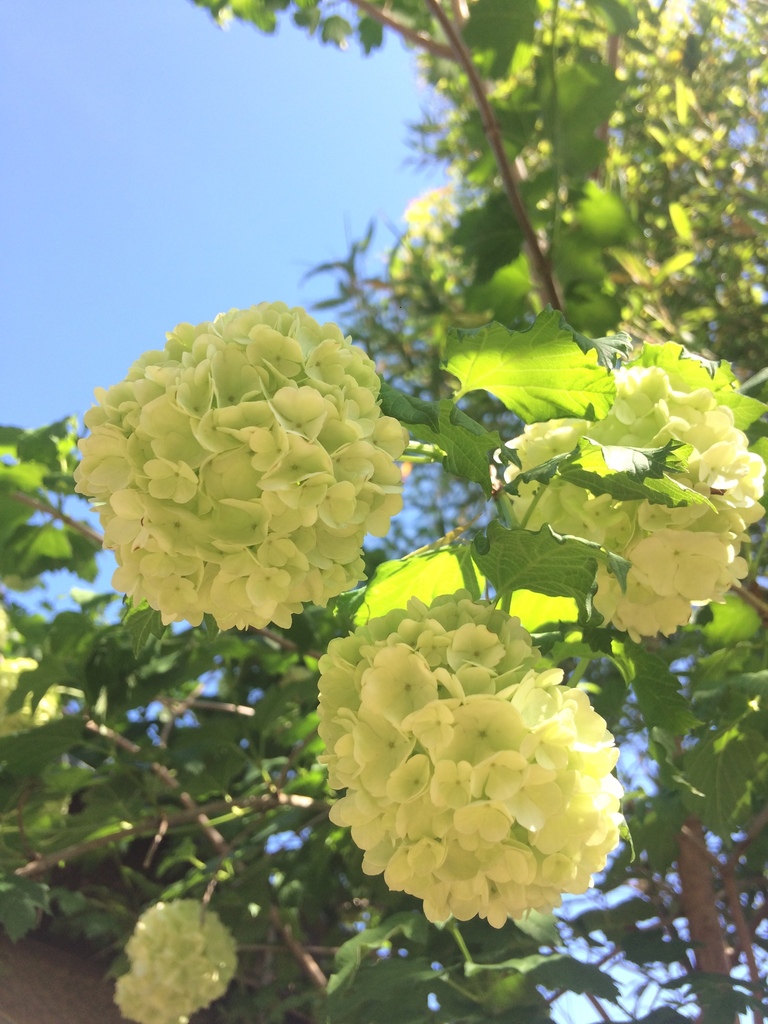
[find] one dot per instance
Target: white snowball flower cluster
(182, 958)
(680, 556)
(473, 782)
(237, 471)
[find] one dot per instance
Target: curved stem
(42, 506)
(453, 928)
(447, 538)
(510, 177)
(408, 34)
(421, 451)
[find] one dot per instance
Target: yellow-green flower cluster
(237, 471)
(474, 782)
(680, 556)
(182, 958)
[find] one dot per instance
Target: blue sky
(158, 169)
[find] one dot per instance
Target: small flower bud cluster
(182, 958)
(237, 471)
(680, 556)
(473, 782)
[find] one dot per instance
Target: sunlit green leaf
(426, 576)
(539, 373)
(541, 561)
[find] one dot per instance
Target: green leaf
(37, 682)
(490, 236)
(565, 972)
(370, 33)
(618, 16)
(425, 576)
(464, 442)
(210, 625)
(722, 767)
(582, 97)
(609, 350)
(627, 474)
(680, 222)
(542, 561)
(12, 514)
(731, 621)
(539, 373)
(556, 971)
(721, 997)
(602, 216)
(336, 30)
(28, 753)
(657, 688)
(350, 955)
(21, 903)
(653, 946)
(498, 27)
(142, 622)
(673, 266)
(389, 989)
(538, 610)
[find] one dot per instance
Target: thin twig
(162, 828)
(42, 506)
(597, 963)
(742, 931)
(29, 852)
(715, 861)
(216, 839)
(305, 960)
(754, 830)
(218, 705)
(460, 12)
(760, 606)
(282, 642)
(447, 539)
(510, 178)
(178, 709)
(271, 947)
(598, 1006)
(261, 803)
(410, 35)
(295, 753)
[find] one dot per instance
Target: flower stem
(420, 451)
(531, 507)
(453, 928)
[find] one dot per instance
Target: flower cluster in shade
(237, 471)
(473, 782)
(680, 556)
(182, 958)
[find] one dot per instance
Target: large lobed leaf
(627, 474)
(426, 576)
(540, 373)
(656, 687)
(465, 444)
(543, 561)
